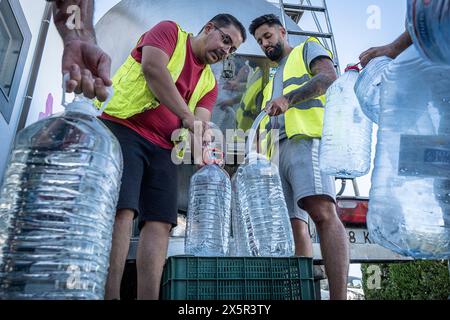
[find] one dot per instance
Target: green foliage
(417, 280)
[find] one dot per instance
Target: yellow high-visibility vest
(251, 100)
(133, 96)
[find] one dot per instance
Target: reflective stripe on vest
(251, 101)
(304, 119)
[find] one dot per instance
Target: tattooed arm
(324, 75)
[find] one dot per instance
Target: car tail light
(352, 211)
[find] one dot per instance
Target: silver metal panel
(360, 253)
(120, 28)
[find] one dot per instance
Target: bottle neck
(82, 105)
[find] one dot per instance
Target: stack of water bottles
(209, 210)
(347, 133)
(261, 225)
(409, 208)
(57, 207)
(409, 211)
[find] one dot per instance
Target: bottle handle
(211, 154)
(253, 130)
(66, 77)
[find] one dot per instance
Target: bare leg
(333, 243)
(302, 239)
(119, 251)
(151, 256)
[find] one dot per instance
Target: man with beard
(295, 99)
(164, 85)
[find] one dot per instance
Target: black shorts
(149, 179)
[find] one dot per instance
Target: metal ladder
(296, 12)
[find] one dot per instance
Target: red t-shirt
(157, 125)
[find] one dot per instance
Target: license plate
(358, 236)
(354, 235)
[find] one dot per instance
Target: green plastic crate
(237, 278)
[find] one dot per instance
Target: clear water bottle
(261, 222)
(367, 87)
(57, 207)
(209, 210)
(238, 246)
(428, 23)
(347, 133)
(409, 209)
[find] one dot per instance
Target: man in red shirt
(166, 84)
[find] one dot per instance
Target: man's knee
(300, 227)
(320, 208)
(162, 228)
(125, 215)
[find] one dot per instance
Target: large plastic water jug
(57, 207)
(367, 87)
(261, 224)
(209, 209)
(428, 23)
(409, 208)
(347, 133)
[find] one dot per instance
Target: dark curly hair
(269, 19)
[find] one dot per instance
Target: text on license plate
(358, 236)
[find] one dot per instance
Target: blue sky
(350, 19)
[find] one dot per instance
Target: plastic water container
(347, 133)
(428, 23)
(261, 222)
(367, 87)
(239, 246)
(209, 211)
(409, 208)
(57, 207)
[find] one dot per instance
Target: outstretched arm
(63, 10)
(391, 50)
(87, 64)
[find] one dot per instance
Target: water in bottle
(347, 133)
(57, 207)
(239, 245)
(209, 212)
(428, 23)
(262, 221)
(367, 87)
(409, 209)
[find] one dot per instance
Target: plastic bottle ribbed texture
(347, 133)
(409, 208)
(262, 219)
(209, 212)
(428, 23)
(367, 87)
(240, 245)
(57, 207)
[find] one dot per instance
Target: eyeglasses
(226, 40)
